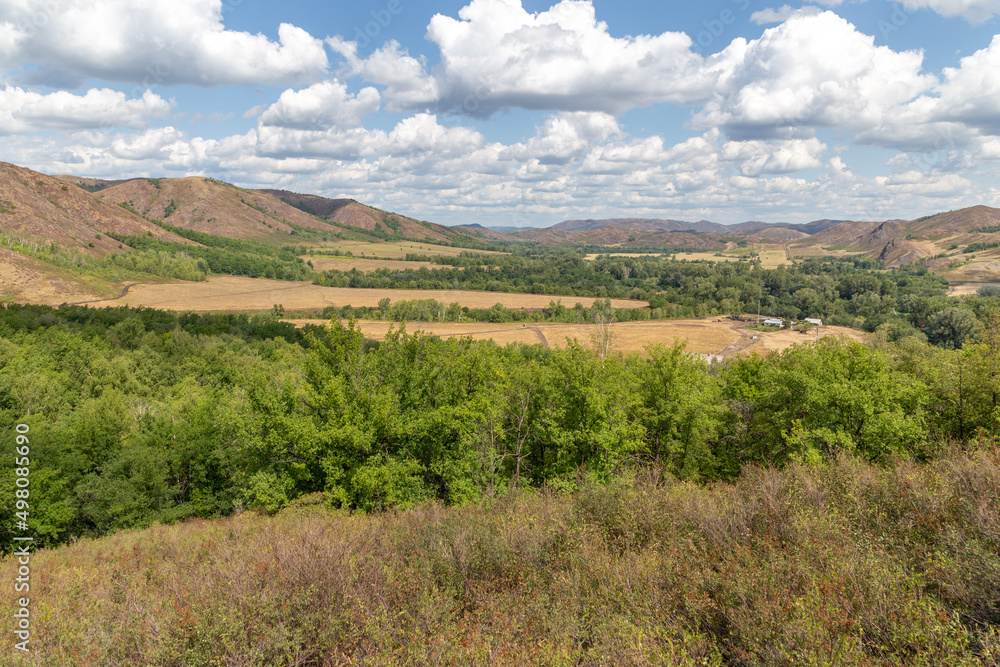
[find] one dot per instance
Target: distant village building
(773, 323)
(814, 321)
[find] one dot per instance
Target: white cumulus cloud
(151, 43)
(970, 93)
(814, 70)
(563, 137)
(23, 111)
(320, 106)
(973, 11)
(497, 55)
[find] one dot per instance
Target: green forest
(140, 416)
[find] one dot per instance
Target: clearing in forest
(396, 250)
(366, 265)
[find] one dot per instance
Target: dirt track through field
(745, 341)
(125, 291)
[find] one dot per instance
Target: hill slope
(210, 206)
(36, 206)
(354, 214)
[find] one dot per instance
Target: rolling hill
(77, 213)
(270, 216)
(34, 206)
(350, 213)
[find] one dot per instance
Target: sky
(521, 112)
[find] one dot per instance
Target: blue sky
(521, 112)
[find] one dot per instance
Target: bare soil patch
(777, 341)
(27, 280)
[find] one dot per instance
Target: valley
(226, 388)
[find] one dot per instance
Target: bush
(842, 563)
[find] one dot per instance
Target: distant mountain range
(896, 242)
(700, 227)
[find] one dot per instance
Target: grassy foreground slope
(841, 563)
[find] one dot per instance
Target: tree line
(142, 417)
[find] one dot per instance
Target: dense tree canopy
(139, 416)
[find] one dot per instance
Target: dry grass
(28, 280)
(980, 270)
(773, 256)
(965, 289)
(838, 564)
(397, 250)
(595, 255)
(776, 341)
(366, 265)
(703, 336)
(240, 294)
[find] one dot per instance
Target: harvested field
(780, 340)
(396, 250)
(239, 294)
(595, 255)
(771, 256)
(366, 265)
(965, 289)
(703, 336)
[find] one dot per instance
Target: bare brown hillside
(39, 207)
(213, 207)
(482, 232)
(963, 221)
(773, 235)
(355, 214)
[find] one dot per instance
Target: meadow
(840, 563)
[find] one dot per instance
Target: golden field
(239, 294)
(703, 336)
(396, 250)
